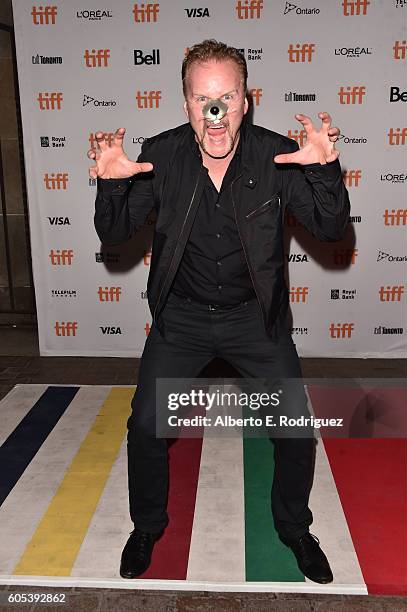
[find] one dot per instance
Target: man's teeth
(215, 127)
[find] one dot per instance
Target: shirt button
(219, 287)
(219, 263)
(217, 235)
(217, 205)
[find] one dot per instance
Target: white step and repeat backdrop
(88, 66)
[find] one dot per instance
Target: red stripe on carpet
(171, 552)
(371, 478)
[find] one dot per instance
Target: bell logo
(352, 95)
(300, 136)
(299, 294)
(256, 95)
(56, 181)
(150, 99)
(355, 7)
(62, 257)
(341, 330)
(397, 136)
(44, 15)
(249, 9)
(395, 217)
(400, 50)
(351, 178)
(68, 328)
(146, 13)
(108, 138)
(109, 294)
(301, 53)
(344, 257)
(50, 101)
(391, 293)
(96, 58)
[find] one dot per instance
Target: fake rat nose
(214, 110)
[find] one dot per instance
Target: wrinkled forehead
(213, 78)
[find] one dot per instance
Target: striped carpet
(64, 509)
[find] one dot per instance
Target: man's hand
(111, 160)
(319, 147)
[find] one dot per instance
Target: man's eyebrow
(205, 96)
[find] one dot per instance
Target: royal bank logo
(293, 96)
(107, 257)
(394, 178)
(343, 294)
(294, 9)
(353, 52)
(352, 139)
(382, 256)
(252, 55)
(97, 15)
(46, 59)
(94, 102)
(56, 142)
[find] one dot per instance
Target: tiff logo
(147, 328)
(109, 294)
(351, 178)
(352, 95)
(300, 136)
(256, 95)
(150, 99)
(395, 217)
(50, 101)
(400, 50)
(68, 328)
(301, 53)
(299, 294)
(392, 293)
(44, 15)
(397, 136)
(56, 181)
(146, 13)
(341, 330)
(249, 9)
(62, 257)
(355, 7)
(96, 58)
(108, 139)
(344, 257)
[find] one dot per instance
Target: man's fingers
(101, 141)
(93, 154)
(285, 158)
(144, 167)
(118, 137)
(326, 121)
(306, 122)
(93, 172)
(333, 134)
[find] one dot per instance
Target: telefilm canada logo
(295, 9)
(96, 102)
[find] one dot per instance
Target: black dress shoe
(310, 558)
(136, 555)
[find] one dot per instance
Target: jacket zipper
(262, 207)
(244, 250)
(175, 250)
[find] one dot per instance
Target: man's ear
(246, 105)
(186, 108)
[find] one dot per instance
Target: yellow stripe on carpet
(56, 542)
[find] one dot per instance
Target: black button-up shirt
(213, 269)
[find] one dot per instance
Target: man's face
(215, 80)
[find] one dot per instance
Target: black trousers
(194, 335)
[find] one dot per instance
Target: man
(220, 187)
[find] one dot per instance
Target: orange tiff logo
(96, 58)
(66, 328)
(256, 95)
(61, 257)
(395, 217)
(50, 101)
(351, 178)
(149, 99)
(391, 293)
(299, 294)
(400, 50)
(109, 294)
(355, 7)
(344, 257)
(108, 138)
(341, 330)
(301, 53)
(147, 328)
(44, 15)
(397, 136)
(249, 9)
(352, 95)
(300, 136)
(56, 181)
(146, 12)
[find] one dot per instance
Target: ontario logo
(382, 256)
(294, 9)
(89, 100)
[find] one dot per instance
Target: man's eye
(201, 99)
(228, 97)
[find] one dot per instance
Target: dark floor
(20, 363)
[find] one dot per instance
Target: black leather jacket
(260, 193)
